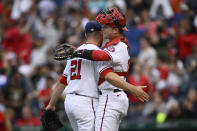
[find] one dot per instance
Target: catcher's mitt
(64, 52)
(50, 121)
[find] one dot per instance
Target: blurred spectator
(10, 114)
(96, 5)
(133, 34)
(160, 75)
(137, 78)
(135, 111)
(3, 78)
(184, 12)
(162, 67)
(195, 21)
(39, 50)
(2, 106)
(45, 71)
(191, 66)
(117, 3)
(45, 27)
(27, 118)
(152, 108)
(190, 104)
(187, 111)
(148, 54)
(192, 4)
(51, 6)
(176, 5)
(138, 5)
(19, 7)
(160, 39)
(5, 124)
(147, 23)
(175, 64)
(59, 68)
(175, 111)
(1, 8)
(161, 9)
(16, 90)
(18, 40)
(45, 94)
(176, 72)
(3, 61)
(185, 40)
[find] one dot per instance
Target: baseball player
(82, 76)
(113, 102)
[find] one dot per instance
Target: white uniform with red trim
(113, 105)
(82, 77)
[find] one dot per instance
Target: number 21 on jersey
(75, 69)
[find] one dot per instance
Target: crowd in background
(163, 45)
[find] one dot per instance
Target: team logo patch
(111, 48)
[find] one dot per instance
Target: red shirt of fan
(21, 44)
(185, 44)
(141, 81)
(2, 122)
(164, 71)
(44, 93)
(33, 121)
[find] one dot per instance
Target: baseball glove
(64, 52)
(50, 121)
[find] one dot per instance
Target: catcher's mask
(113, 18)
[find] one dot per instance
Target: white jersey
(113, 105)
(83, 75)
(120, 59)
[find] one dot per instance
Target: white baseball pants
(111, 109)
(81, 112)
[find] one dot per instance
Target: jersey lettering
(75, 69)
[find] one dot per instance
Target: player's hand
(50, 107)
(139, 93)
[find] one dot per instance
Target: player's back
(82, 78)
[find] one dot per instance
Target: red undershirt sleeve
(63, 80)
(105, 72)
(100, 55)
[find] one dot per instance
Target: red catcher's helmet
(113, 18)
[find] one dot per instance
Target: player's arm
(115, 80)
(94, 55)
(57, 91)
(59, 88)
